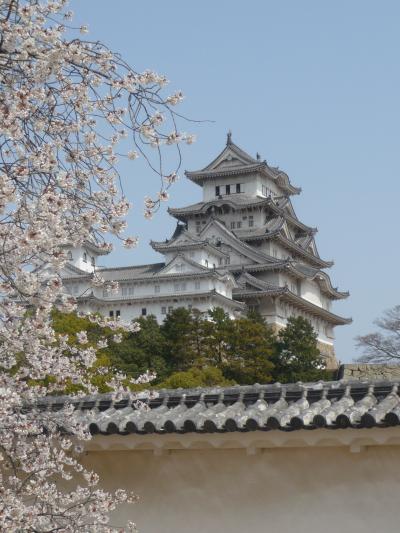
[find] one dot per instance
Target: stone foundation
(363, 371)
(328, 352)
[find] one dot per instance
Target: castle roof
(280, 206)
(299, 271)
(231, 239)
(154, 271)
(215, 296)
(252, 287)
(183, 240)
(235, 161)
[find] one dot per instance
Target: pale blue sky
(313, 86)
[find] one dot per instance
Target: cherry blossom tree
(70, 109)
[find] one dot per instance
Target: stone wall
(362, 371)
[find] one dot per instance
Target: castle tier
(242, 247)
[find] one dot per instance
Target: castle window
(233, 224)
(92, 261)
(69, 255)
(156, 288)
(170, 308)
(251, 221)
(131, 291)
(84, 257)
(124, 291)
(117, 313)
(144, 311)
(197, 284)
(227, 189)
(163, 310)
(217, 192)
(111, 314)
(238, 187)
(238, 224)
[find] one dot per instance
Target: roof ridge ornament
(229, 138)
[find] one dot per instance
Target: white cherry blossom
(70, 109)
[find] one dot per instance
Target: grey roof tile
(245, 408)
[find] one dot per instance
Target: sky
(313, 86)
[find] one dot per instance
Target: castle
(242, 247)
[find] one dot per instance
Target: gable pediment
(231, 156)
(216, 231)
(181, 265)
(185, 239)
(229, 161)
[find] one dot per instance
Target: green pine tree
(298, 357)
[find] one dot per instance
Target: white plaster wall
(159, 287)
(317, 490)
(310, 291)
(251, 185)
(77, 259)
(248, 186)
(274, 250)
(131, 309)
(269, 183)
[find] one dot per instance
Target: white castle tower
(242, 247)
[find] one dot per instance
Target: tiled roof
(138, 271)
(239, 200)
(334, 405)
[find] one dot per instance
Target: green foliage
(193, 349)
(298, 357)
(183, 334)
(195, 377)
(250, 352)
(142, 351)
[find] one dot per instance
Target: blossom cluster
(69, 110)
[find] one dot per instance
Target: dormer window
(84, 257)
